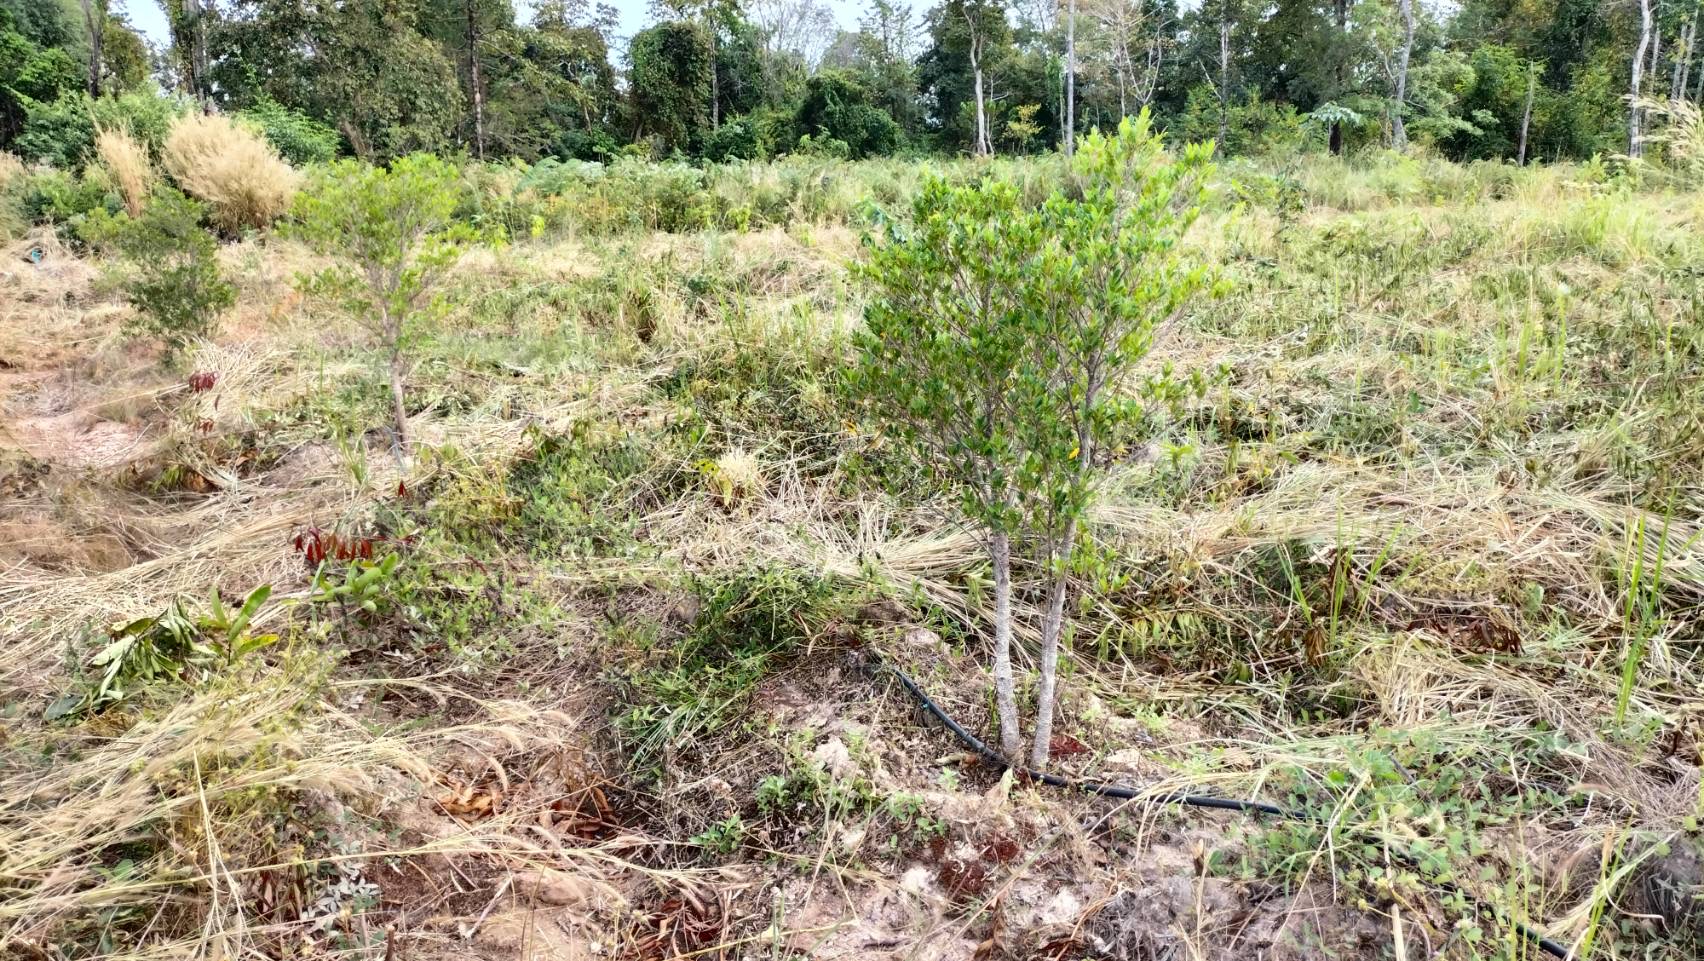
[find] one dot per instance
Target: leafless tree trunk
(1156, 59)
(189, 34)
(474, 81)
(95, 17)
(1398, 127)
(1526, 113)
(984, 146)
(1071, 78)
(1698, 86)
(1005, 694)
(1655, 69)
(1342, 75)
(1124, 25)
(1224, 77)
(1635, 144)
(1683, 58)
(715, 80)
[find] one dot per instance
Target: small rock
(833, 757)
(558, 888)
(883, 613)
(924, 641)
(1063, 909)
(920, 881)
(853, 836)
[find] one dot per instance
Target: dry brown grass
(192, 792)
(243, 180)
(10, 168)
(1466, 536)
(126, 159)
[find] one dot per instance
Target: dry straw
(126, 159)
(243, 181)
(11, 168)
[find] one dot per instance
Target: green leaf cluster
(170, 644)
(173, 280)
(1001, 340)
(392, 230)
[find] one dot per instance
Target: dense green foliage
(173, 278)
(299, 138)
(727, 81)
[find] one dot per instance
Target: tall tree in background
(187, 21)
(1526, 113)
(884, 51)
(801, 28)
(1129, 40)
(715, 16)
(1635, 138)
(361, 65)
(673, 70)
(976, 47)
(471, 32)
(95, 20)
(1683, 57)
(1070, 135)
(969, 39)
(1221, 17)
(1398, 126)
(1341, 68)
(1223, 87)
(36, 65)
(475, 87)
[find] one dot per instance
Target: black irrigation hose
(1192, 800)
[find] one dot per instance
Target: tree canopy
(1484, 79)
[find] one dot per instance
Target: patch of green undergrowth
(685, 691)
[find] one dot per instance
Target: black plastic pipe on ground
(993, 757)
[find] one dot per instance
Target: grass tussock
(244, 813)
(127, 161)
(241, 177)
(11, 168)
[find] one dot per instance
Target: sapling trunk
(1051, 627)
(1054, 623)
(1005, 695)
(399, 408)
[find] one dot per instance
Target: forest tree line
(750, 79)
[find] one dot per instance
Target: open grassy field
(1419, 552)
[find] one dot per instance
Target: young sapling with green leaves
(393, 234)
(1000, 350)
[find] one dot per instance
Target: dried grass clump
(1681, 133)
(194, 796)
(735, 476)
(242, 179)
(11, 168)
(127, 161)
